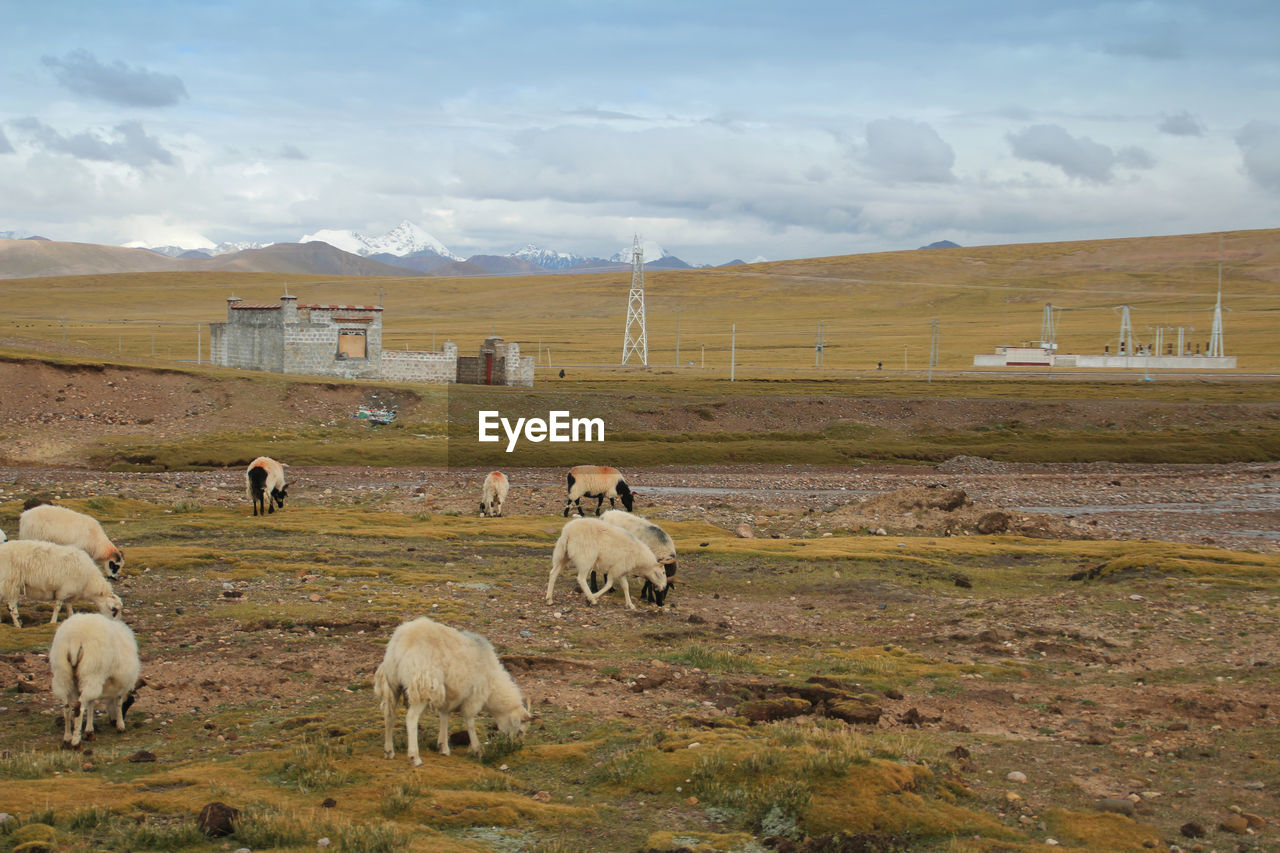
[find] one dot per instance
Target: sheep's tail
(74, 656)
(386, 693)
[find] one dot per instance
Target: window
(352, 344)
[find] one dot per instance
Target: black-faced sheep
(589, 544)
(659, 543)
(427, 663)
(93, 659)
(599, 482)
(494, 494)
(49, 523)
(265, 482)
(61, 573)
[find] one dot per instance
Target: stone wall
(420, 366)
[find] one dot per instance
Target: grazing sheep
(659, 543)
(427, 663)
(62, 573)
(49, 523)
(265, 481)
(599, 482)
(494, 494)
(93, 658)
(589, 544)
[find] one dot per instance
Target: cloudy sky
(717, 129)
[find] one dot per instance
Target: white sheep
(3, 538)
(494, 493)
(62, 573)
(49, 523)
(599, 482)
(427, 663)
(589, 544)
(93, 658)
(264, 480)
(659, 542)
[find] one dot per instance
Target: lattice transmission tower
(636, 340)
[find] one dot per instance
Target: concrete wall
(420, 366)
(1117, 362)
(251, 339)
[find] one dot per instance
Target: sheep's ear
(142, 682)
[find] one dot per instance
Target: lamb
(427, 663)
(41, 570)
(659, 543)
(494, 494)
(599, 482)
(265, 482)
(93, 658)
(65, 526)
(590, 544)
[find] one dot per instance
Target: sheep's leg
(626, 592)
(411, 731)
(442, 739)
(117, 711)
(600, 504)
(551, 581)
(13, 611)
(388, 721)
(57, 606)
(471, 733)
(68, 713)
(595, 597)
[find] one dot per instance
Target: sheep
(657, 540)
(3, 538)
(589, 544)
(93, 658)
(427, 663)
(265, 482)
(59, 572)
(599, 482)
(65, 526)
(494, 494)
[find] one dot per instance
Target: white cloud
(1181, 124)
(904, 150)
(1259, 143)
(81, 72)
(1077, 156)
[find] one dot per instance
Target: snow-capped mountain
(652, 252)
(548, 259)
(405, 239)
(207, 249)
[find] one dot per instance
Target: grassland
(874, 308)
(665, 729)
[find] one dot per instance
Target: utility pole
(677, 336)
(733, 342)
(933, 347)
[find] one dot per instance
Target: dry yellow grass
(873, 308)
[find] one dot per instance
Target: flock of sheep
(94, 656)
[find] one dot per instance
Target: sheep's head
(628, 499)
(655, 574)
(115, 562)
(515, 721)
(278, 495)
(111, 606)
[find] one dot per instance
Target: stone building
(346, 341)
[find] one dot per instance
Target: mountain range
(403, 251)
